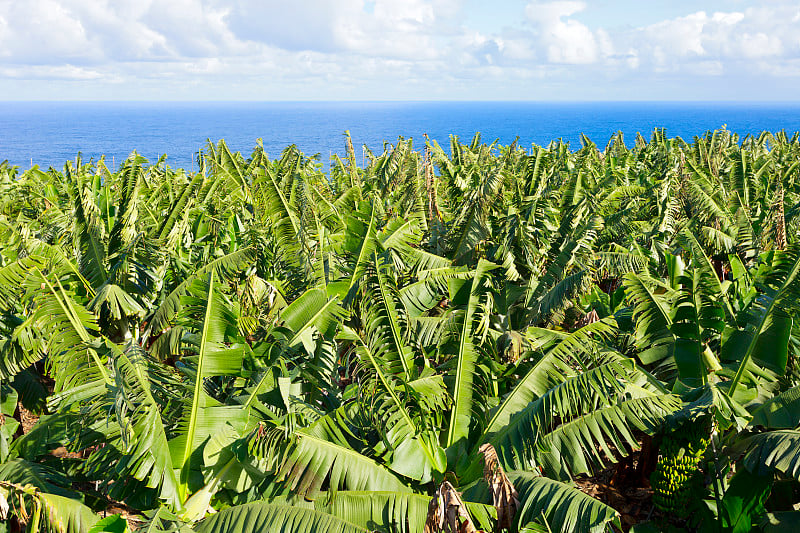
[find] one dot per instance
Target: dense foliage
(424, 341)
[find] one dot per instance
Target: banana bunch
(678, 479)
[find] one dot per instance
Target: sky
(400, 50)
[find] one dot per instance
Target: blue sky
(399, 50)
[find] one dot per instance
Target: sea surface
(49, 133)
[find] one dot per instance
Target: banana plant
(420, 339)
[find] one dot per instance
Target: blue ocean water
(49, 133)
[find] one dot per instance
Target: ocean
(50, 133)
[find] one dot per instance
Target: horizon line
(403, 101)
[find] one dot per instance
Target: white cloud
(295, 26)
(756, 45)
(374, 48)
(190, 28)
(679, 37)
(35, 28)
(565, 40)
(728, 41)
(408, 29)
(47, 72)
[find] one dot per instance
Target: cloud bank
(384, 49)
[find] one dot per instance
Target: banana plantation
(453, 339)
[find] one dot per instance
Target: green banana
(677, 478)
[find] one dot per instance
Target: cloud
(47, 72)
(35, 28)
(385, 28)
(376, 48)
(565, 39)
(729, 40)
(295, 26)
